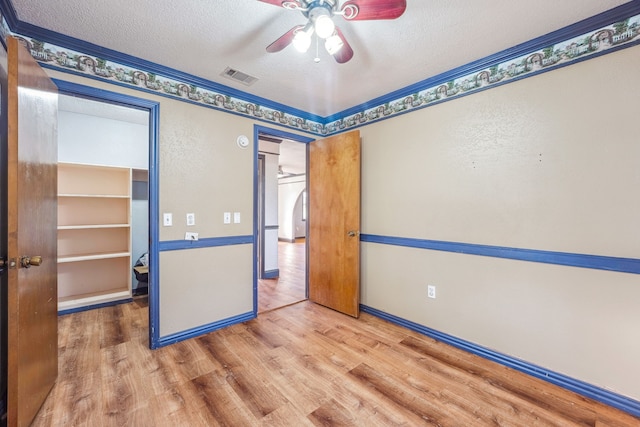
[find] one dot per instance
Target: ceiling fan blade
(291, 4)
(273, 2)
(345, 53)
(361, 10)
(284, 40)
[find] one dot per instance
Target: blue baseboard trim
(623, 265)
(272, 274)
(209, 242)
(94, 306)
(588, 390)
(201, 330)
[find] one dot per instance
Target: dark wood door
(334, 222)
(32, 295)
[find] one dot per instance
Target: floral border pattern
(67, 60)
(618, 34)
(577, 48)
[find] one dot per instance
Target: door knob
(352, 233)
(28, 261)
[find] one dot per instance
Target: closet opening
(107, 201)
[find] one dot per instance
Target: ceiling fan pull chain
(317, 58)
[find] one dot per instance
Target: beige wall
(202, 170)
(550, 163)
(201, 286)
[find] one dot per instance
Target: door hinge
(7, 264)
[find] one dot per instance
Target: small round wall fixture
(242, 141)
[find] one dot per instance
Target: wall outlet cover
(431, 291)
(191, 219)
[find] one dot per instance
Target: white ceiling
(293, 157)
(102, 109)
(203, 37)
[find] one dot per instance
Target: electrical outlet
(190, 236)
(431, 291)
(167, 220)
(191, 219)
(236, 217)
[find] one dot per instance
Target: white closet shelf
(89, 257)
(83, 300)
(94, 234)
(95, 196)
(92, 226)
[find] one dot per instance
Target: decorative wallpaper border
(67, 60)
(576, 49)
(606, 39)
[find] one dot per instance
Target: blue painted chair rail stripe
(209, 242)
(605, 396)
(598, 262)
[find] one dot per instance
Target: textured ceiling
(203, 37)
(102, 109)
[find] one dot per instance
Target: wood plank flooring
(301, 365)
(289, 288)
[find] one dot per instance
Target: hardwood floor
(289, 288)
(301, 365)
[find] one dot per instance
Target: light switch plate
(236, 217)
(191, 219)
(167, 220)
(227, 217)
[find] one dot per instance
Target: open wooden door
(32, 296)
(334, 222)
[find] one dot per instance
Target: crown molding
(583, 27)
(604, 33)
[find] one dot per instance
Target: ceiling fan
(320, 15)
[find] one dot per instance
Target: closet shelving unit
(94, 235)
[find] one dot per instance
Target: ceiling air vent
(239, 76)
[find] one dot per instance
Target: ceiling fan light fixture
(302, 40)
(333, 44)
(320, 13)
(322, 22)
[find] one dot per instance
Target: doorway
(127, 115)
(281, 249)
(103, 142)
